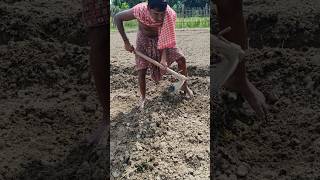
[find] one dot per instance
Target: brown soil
(283, 62)
(48, 102)
(170, 138)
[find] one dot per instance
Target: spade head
(171, 88)
(175, 87)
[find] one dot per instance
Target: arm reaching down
(126, 15)
(164, 59)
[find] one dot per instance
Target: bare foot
(256, 100)
(141, 103)
(249, 92)
(189, 93)
(95, 137)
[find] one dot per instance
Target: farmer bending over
(230, 14)
(155, 38)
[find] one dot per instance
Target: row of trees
(176, 4)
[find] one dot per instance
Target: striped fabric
(95, 12)
(167, 36)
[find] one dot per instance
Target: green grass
(193, 22)
(190, 22)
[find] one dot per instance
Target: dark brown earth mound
(285, 66)
(48, 101)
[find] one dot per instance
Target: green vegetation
(193, 22)
(189, 22)
(172, 3)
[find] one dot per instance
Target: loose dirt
(284, 63)
(48, 102)
(170, 138)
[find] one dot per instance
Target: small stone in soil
(296, 141)
(223, 177)
(155, 164)
(139, 147)
(242, 171)
(316, 60)
(115, 173)
(316, 145)
(232, 177)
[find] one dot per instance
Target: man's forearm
(119, 24)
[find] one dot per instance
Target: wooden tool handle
(177, 75)
(224, 31)
(148, 59)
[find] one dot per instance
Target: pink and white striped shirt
(166, 30)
